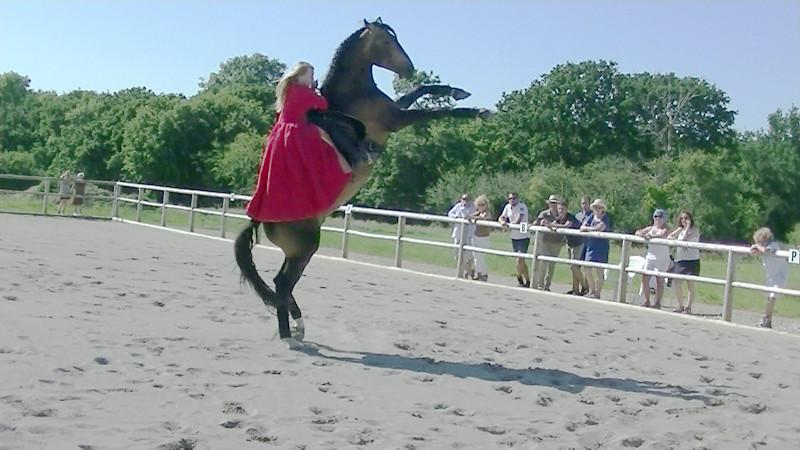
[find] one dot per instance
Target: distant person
(515, 213)
(596, 249)
(78, 191)
(657, 257)
(64, 191)
(463, 210)
(481, 237)
(574, 248)
(551, 243)
(585, 210)
(775, 269)
(687, 260)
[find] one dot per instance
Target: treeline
(637, 140)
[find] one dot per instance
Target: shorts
(688, 267)
(520, 245)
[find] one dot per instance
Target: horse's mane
(347, 45)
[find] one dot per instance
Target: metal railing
(537, 232)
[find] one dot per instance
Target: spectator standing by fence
(515, 213)
(551, 243)
(481, 237)
(596, 249)
(687, 260)
(574, 248)
(78, 191)
(657, 257)
(585, 210)
(463, 209)
(775, 269)
(64, 191)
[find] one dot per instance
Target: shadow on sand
(557, 379)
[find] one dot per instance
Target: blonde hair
(287, 80)
(484, 199)
(763, 234)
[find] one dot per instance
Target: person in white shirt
(515, 213)
(464, 210)
(657, 256)
(775, 269)
(687, 260)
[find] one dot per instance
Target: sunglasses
(658, 217)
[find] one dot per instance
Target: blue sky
(750, 49)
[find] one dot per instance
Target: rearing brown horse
(351, 91)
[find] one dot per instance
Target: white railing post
(164, 201)
(462, 236)
(191, 213)
(115, 201)
(139, 199)
(44, 196)
(535, 266)
(727, 296)
(398, 245)
(348, 213)
(622, 282)
(225, 203)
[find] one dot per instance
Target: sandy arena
(119, 336)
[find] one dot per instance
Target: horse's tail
(243, 248)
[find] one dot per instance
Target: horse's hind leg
(284, 285)
(294, 310)
(299, 241)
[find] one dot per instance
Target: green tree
(573, 114)
(771, 160)
(673, 114)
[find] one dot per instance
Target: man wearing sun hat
(551, 243)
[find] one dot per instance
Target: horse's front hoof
(298, 329)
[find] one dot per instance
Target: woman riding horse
(302, 178)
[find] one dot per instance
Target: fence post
(462, 236)
(348, 212)
(727, 296)
(622, 282)
(139, 199)
(115, 201)
(225, 202)
(537, 244)
(164, 201)
(398, 245)
(191, 213)
(44, 196)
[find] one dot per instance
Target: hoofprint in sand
(114, 335)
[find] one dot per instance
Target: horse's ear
(378, 20)
(366, 24)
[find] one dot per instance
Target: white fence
(621, 267)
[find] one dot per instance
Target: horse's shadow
(553, 378)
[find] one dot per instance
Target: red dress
(300, 175)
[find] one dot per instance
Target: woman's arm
(310, 98)
(643, 231)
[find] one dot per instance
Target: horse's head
(382, 48)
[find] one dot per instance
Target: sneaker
(526, 284)
(765, 322)
(584, 292)
(520, 283)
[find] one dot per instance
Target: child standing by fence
(775, 269)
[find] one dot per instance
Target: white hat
(598, 203)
